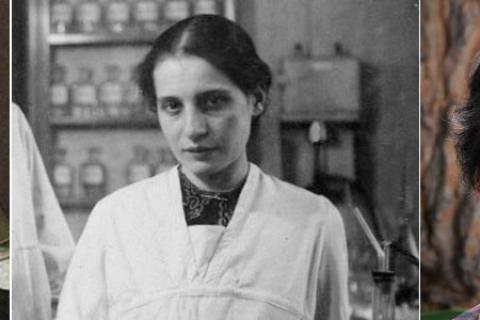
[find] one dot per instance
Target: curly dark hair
(219, 41)
(468, 136)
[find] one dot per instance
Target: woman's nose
(196, 124)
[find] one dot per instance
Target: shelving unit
(101, 38)
(66, 123)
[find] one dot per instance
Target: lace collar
(207, 207)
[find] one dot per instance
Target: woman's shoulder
(283, 194)
(136, 192)
(289, 190)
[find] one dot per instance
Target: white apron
(282, 256)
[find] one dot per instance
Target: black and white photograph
(214, 159)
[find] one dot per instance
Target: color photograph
(450, 159)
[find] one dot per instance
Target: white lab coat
(41, 241)
(282, 256)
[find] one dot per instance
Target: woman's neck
(223, 180)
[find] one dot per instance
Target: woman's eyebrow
(166, 98)
(213, 91)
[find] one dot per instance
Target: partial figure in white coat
(213, 238)
(42, 244)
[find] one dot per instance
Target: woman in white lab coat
(215, 237)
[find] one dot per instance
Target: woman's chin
(200, 168)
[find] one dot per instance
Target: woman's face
(204, 117)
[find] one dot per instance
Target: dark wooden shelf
(102, 38)
(321, 115)
(121, 123)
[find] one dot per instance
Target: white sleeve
(332, 293)
(53, 235)
(84, 294)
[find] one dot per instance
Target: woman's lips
(199, 152)
(198, 149)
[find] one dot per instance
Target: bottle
(166, 160)
(147, 15)
(176, 10)
(61, 16)
(138, 167)
(59, 93)
(84, 95)
(93, 175)
(111, 93)
(62, 175)
(117, 15)
(206, 7)
(133, 96)
(88, 16)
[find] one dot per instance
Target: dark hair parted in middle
(468, 138)
(219, 41)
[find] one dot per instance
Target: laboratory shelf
(102, 38)
(327, 115)
(120, 123)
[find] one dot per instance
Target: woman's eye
(214, 101)
(171, 106)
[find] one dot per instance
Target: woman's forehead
(180, 73)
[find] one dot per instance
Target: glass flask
(93, 175)
(206, 7)
(111, 93)
(138, 167)
(59, 96)
(61, 16)
(88, 15)
(383, 307)
(84, 95)
(383, 295)
(62, 175)
(117, 15)
(146, 14)
(176, 10)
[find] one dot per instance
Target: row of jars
(93, 172)
(83, 99)
(90, 16)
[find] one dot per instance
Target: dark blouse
(207, 207)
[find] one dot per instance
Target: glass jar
(93, 175)
(84, 95)
(88, 16)
(176, 10)
(61, 16)
(111, 93)
(138, 167)
(59, 93)
(206, 7)
(62, 175)
(117, 15)
(146, 14)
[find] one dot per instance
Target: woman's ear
(259, 102)
(258, 109)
